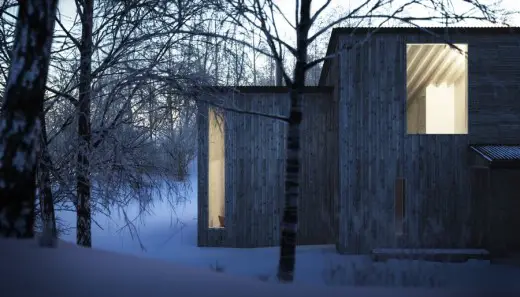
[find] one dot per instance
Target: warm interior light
(437, 89)
(440, 109)
(216, 174)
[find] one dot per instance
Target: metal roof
(499, 155)
(336, 32)
(427, 30)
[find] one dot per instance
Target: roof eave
(502, 163)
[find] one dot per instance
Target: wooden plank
(437, 255)
(399, 205)
(202, 169)
(503, 205)
(376, 148)
(231, 120)
(255, 153)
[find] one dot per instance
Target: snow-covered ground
(28, 270)
(316, 265)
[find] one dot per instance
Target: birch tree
(20, 124)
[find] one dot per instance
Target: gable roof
(336, 32)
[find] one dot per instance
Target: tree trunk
(49, 232)
(255, 71)
(279, 72)
(20, 124)
(83, 224)
(151, 110)
(289, 226)
(279, 76)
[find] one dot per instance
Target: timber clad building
(411, 140)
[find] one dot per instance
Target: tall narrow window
(216, 174)
(437, 89)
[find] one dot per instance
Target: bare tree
(7, 27)
(20, 123)
(138, 82)
(120, 24)
(47, 213)
(86, 14)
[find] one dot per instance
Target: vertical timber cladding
(399, 205)
(255, 167)
(202, 174)
(375, 149)
(371, 107)
(481, 202)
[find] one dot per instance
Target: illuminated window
(216, 174)
(437, 89)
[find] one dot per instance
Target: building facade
(388, 158)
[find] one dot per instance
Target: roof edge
(494, 161)
(265, 89)
(405, 30)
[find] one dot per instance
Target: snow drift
(28, 270)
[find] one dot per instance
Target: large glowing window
(437, 89)
(216, 174)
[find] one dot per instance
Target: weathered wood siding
(255, 168)
(375, 149)
(331, 79)
(504, 211)
(480, 181)
(495, 194)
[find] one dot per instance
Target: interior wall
(216, 174)
(440, 109)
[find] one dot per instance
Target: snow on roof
(70, 271)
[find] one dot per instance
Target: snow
(172, 264)
(28, 270)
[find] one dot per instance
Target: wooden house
(241, 167)
(392, 143)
